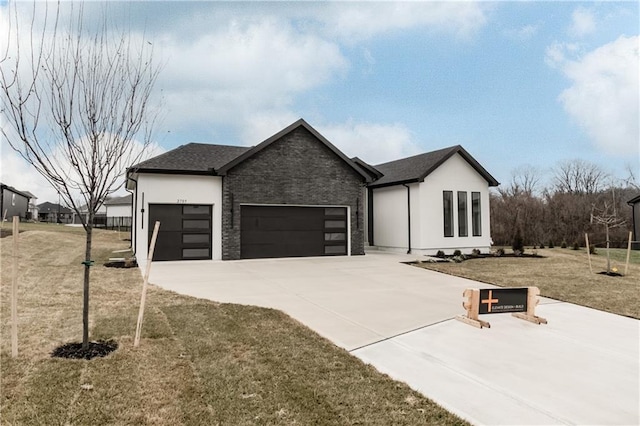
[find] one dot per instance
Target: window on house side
(476, 216)
(462, 214)
(447, 201)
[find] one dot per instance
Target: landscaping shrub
(500, 252)
(592, 249)
(440, 254)
(475, 252)
(457, 252)
(564, 244)
(542, 245)
(551, 245)
(576, 245)
(518, 243)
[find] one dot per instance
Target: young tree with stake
(75, 105)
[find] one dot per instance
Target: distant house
(13, 203)
(119, 212)
(635, 206)
(33, 206)
(55, 213)
(429, 202)
(295, 194)
(99, 219)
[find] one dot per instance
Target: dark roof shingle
(191, 158)
(417, 167)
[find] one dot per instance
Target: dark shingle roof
(51, 207)
(193, 158)
(117, 201)
(634, 200)
(15, 191)
(197, 158)
(416, 168)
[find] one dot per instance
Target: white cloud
(583, 22)
(604, 94)
(372, 142)
(231, 75)
(355, 22)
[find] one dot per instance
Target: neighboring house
(118, 211)
(295, 194)
(635, 212)
(99, 219)
(13, 203)
(55, 213)
(33, 206)
(429, 202)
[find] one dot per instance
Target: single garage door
(185, 231)
(285, 231)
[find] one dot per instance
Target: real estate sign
(501, 300)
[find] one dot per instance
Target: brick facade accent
(296, 169)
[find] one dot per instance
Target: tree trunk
(608, 256)
(85, 291)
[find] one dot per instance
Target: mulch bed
(611, 274)
(129, 263)
(464, 257)
(99, 348)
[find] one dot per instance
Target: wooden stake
(586, 239)
(626, 266)
(4, 217)
(532, 302)
(14, 289)
(472, 306)
(152, 246)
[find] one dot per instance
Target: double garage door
(285, 231)
(265, 231)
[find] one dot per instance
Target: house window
(476, 216)
(447, 201)
(462, 214)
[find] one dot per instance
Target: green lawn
(199, 362)
(562, 274)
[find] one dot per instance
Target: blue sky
(515, 83)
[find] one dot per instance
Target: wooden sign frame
(472, 306)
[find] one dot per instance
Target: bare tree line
(563, 211)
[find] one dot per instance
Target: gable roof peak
(416, 168)
(290, 128)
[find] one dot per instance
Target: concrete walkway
(581, 368)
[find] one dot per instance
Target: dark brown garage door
(283, 231)
(185, 231)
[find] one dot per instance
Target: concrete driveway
(581, 368)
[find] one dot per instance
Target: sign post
(14, 289)
(143, 297)
(521, 302)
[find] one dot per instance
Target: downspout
(633, 219)
(134, 205)
(408, 217)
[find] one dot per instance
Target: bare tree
(75, 101)
(607, 216)
(579, 177)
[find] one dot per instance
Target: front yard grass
(198, 363)
(562, 274)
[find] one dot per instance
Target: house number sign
(182, 201)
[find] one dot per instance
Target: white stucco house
(429, 202)
(118, 211)
(295, 194)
